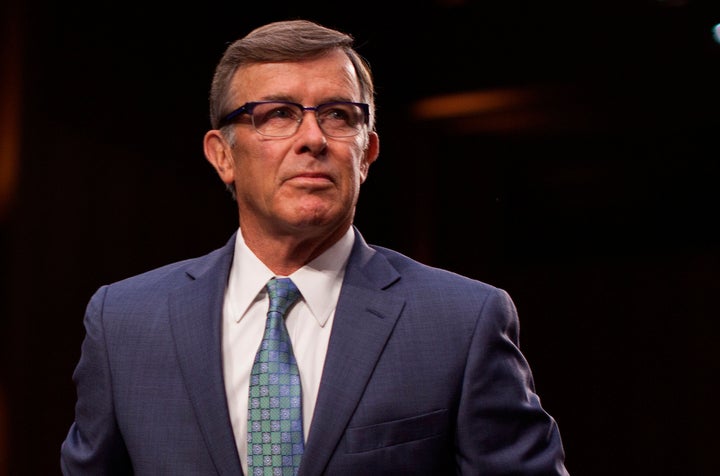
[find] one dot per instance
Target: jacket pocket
(372, 437)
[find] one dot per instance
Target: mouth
(311, 180)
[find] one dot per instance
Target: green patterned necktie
(275, 429)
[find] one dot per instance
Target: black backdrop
(595, 205)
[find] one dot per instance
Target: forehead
(329, 76)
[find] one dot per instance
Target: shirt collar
(319, 281)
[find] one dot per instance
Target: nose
(315, 122)
(310, 134)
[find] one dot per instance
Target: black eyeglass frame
(248, 107)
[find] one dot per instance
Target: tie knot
(283, 293)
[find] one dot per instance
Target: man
(404, 369)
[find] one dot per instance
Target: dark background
(591, 195)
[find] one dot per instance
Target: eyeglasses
(283, 118)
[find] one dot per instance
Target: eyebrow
(280, 97)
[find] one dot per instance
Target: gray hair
(285, 41)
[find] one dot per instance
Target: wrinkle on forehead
(328, 77)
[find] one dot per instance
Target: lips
(312, 178)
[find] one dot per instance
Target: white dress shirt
(309, 323)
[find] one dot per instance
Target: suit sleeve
(502, 427)
(94, 444)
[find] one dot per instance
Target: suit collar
(195, 322)
(364, 319)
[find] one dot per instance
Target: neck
(285, 254)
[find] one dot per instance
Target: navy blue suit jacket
(423, 376)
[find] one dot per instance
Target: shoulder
(173, 275)
(434, 281)
(440, 299)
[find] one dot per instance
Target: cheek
(361, 164)
(247, 174)
(254, 160)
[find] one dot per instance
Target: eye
(278, 112)
(339, 113)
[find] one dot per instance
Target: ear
(219, 154)
(371, 153)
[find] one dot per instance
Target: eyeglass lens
(278, 119)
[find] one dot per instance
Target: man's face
(306, 184)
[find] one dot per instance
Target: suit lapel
(195, 317)
(364, 319)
